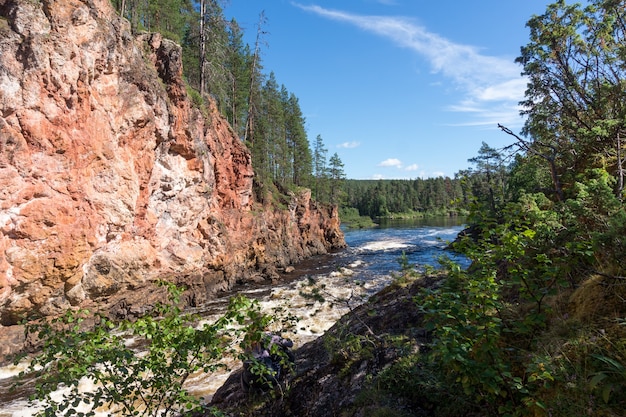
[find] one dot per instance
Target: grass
(351, 218)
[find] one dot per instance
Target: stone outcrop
(334, 376)
(111, 179)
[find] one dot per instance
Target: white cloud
(506, 114)
(391, 162)
(506, 90)
(466, 107)
(349, 145)
(378, 177)
(488, 81)
(412, 167)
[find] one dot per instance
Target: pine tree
(575, 101)
(336, 177)
(297, 142)
(255, 81)
(238, 68)
(320, 169)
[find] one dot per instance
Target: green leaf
(597, 379)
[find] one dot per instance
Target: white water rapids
(366, 266)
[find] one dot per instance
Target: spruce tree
(336, 176)
(320, 169)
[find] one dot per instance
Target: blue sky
(397, 88)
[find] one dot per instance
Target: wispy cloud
(349, 145)
(485, 81)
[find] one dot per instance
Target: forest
(413, 198)
(536, 326)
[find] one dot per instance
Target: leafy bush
(468, 343)
(491, 323)
(144, 381)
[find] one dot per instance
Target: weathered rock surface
(110, 179)
(336, 377)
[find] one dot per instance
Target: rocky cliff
(111, 179)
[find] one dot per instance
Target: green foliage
(336, 176)
(146, 380)
(198, 102)
(489, 180)
(410, 198)
(489, 321)
(416, 383)
(405, 266)
(574, 103)
(468, 344)
(611, 378)
(608, 365)
(351, 218)
(320, 170)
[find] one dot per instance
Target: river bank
(359, 367)
(351, 219)
(368, 264)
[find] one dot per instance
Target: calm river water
(368, 264)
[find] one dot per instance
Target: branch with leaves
(144, 378)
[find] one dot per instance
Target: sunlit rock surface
(110, 179)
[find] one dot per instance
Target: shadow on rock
(334, 374)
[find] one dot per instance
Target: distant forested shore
(408, 198)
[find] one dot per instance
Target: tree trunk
(249, 132)
(620, 167)
(202, 60)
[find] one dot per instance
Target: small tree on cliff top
(336, 176)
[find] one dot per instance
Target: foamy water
(362, 269)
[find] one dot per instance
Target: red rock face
(111, 180)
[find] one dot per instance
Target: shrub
(145, 381)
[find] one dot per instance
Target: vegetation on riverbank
(351, 219)
(138, 367)
(408, 199)
(537, 325)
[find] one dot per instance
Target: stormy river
(370, 262)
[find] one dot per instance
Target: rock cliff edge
(111, 179)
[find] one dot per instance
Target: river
(370, 262)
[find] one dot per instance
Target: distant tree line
(381, 198)
(262, 112)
